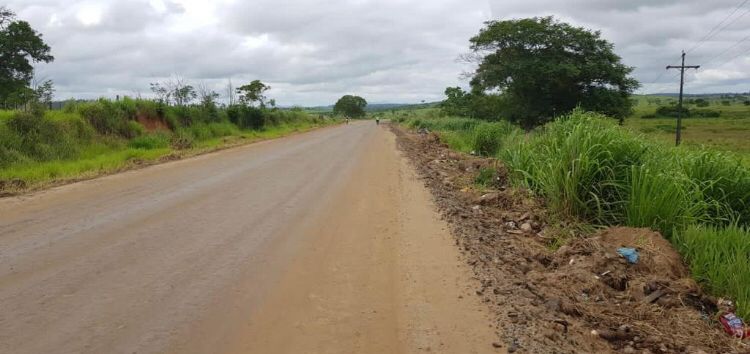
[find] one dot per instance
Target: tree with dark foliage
(350, 106)
(542, 67)
(20, 46)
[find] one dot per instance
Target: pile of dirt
(582, 297)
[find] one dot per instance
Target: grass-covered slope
(89, 139)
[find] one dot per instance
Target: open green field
(729, 132)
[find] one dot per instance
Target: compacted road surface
(322, 242)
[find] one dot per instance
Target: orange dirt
(151, 123)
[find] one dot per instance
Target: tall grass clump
(719, 257)
(580, 164)
(660, 200)
(588, 167)
(488, 138)
(723, 180)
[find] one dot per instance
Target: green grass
(728, 132)
(718, 258)
(5, 115)
(36, 173)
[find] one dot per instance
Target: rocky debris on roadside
(578, 297)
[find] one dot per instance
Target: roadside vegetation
(87, 139)
(560, 142)
(588, 168)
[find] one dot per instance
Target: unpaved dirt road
(323, 242)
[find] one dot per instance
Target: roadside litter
(631, 254)
(734, 326)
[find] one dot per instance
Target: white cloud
(314, 51)
(89, 15)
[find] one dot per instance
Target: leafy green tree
(45, 92)
(457, 102)
(473, 104)
(20, 46)
(184, 94)
(350, 106)
(543, 67)
(163, 94)
(253, 92)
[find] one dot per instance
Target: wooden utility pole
(682, 68)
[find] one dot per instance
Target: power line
(714, 30)
(727, 49)
(656, 80)
(666, 88)
(734, 57)
(712, 33)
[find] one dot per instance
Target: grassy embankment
(90, 139)
(588, 168)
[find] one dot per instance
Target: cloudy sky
(313, 51)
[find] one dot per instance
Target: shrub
(705, 113)
(246, 117)
(672, 111)
(105, 117)
(32, 136)
(488, 137)
(130, 129)
(149, 108)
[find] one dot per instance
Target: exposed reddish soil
(151, 123)
(582, 297)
